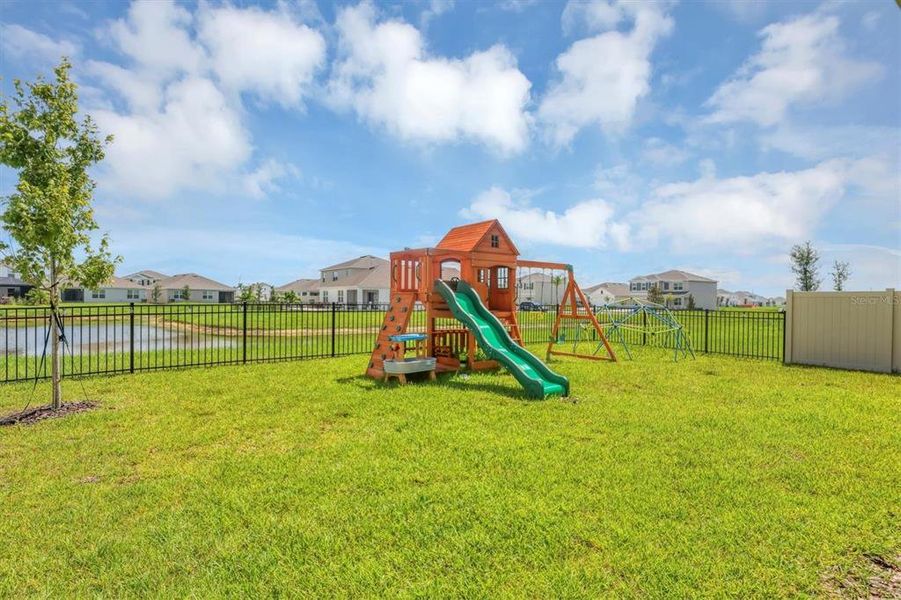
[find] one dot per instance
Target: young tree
(654, 294)
(557, 280)
(804, 265)
(291, 297)
(186, 293)
(49, 216)
(36, 297)
(156, 293)
(841, 271)
(691, 302)
(245, 293)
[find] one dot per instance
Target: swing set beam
(540, 264)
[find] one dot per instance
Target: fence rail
(105, 339)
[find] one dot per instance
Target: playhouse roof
(467, 237)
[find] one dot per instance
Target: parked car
(528, 305)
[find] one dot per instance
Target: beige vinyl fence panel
(846, 330)
(896, 334)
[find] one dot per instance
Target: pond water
(100, 337)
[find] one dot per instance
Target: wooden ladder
(397, 318)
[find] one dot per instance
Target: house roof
(378, 277)
(193, 281)
(149, 273)
(361, 262)
(617, 289)
(300, 285)
(449, 272)
(673, 275)
(467, 237)
(13, 281)
(113, 283)
(122, 283)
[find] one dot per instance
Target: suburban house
(540, 288)
(676, 286)
(307, 290)
(607, 292)
(168, 289)
(146, 278)
(117, 289)
(741, 298)
(10, 285)
(726, 298)
(201, 289)
(261, 291)
(364, 280)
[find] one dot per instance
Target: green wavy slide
(532, 374)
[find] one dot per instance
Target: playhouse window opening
(495, 241)
(503, 276)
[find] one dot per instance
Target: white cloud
(262, 181)
(593, 15)
(264, 52)
(19, 42)
(870, 20)
(801, 62)
(436, 9)
(155, 35)
(741, 214)
(587, 224)
(621, 182)
(181, 126)
(516, 6)
(603, 77)
(662, 153)
(816, 142)
(191, 142)
(386, 75)
(142, 94)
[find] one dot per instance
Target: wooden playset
(466, 285)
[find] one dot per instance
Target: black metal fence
(751, 333)
(105, 339)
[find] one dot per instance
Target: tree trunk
(55, 358)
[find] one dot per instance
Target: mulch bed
(40, 413)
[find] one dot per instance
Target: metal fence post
(334, 306)
(784, 334)
(131, 338)
(644, 328)
(706, 329)
(244, 334)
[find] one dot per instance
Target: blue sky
(261, 142)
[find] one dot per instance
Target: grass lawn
(714, 477)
